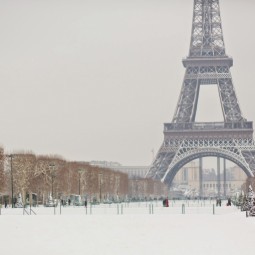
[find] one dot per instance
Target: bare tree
(23, 166)
(2, 174)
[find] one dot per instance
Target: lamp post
(117, 182)
(53, 175)
(79, 182)
(12, 180)
(11, 156)
(100, 186)
(80, 171)
(136, 186)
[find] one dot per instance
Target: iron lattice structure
(185, 139)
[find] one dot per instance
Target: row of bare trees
(26, 173)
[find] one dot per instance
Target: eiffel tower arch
(185, 139)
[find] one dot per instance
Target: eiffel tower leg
(187, 105)
(218, 175)
(201, 177)
(224, 176)
(161, 163)
(230, 106)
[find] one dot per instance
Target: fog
(96, 80)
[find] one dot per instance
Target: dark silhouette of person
(5, 203)
(85, 203)
(218, 202)
(14, 201)
(167, 205)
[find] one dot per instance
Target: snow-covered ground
(101, 230)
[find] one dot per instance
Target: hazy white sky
(96, 79)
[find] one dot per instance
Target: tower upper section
(207, 36)
(207, 64)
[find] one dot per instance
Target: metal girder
(207, 64)
(207, 36)
(175, 154)
(196, 76)
(185, 139)
(186, 107)
(235, 150)
(230, 105)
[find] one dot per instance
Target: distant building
(106, 164)
(188, 179)
(131, 171)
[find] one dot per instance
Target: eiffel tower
(184, 138)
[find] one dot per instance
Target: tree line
(26, 173)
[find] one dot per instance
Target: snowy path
(227, 233)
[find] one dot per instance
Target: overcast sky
(96, 79)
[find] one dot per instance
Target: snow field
(74, 232)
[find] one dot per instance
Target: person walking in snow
(167, 205)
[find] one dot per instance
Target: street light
(100, 188)
(117, 182)
(11, 156)
(53, 175)
(80, 171)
